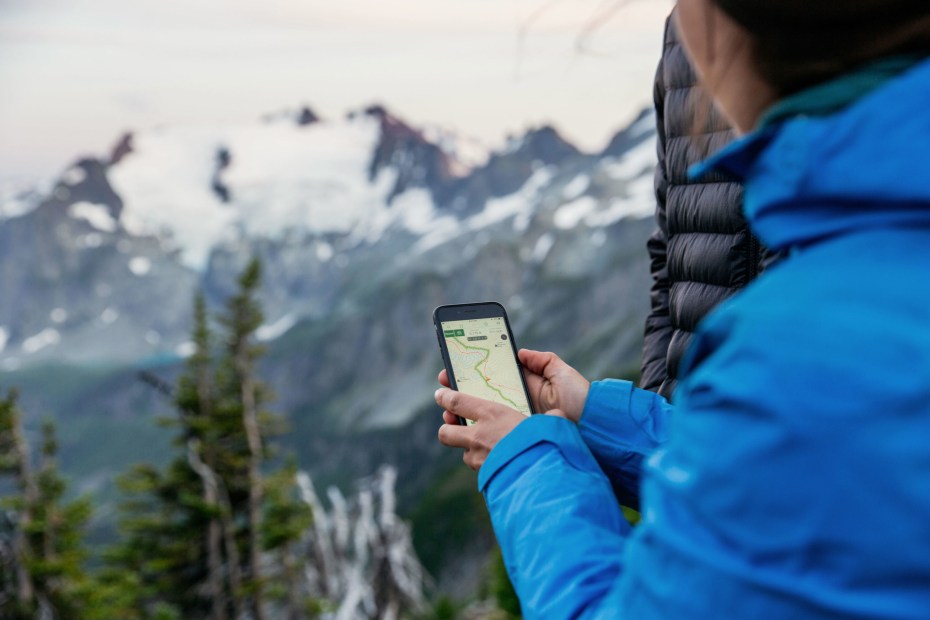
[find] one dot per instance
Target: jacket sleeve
(658, 329)
(560, 528)
(622, 426)
(550, 489)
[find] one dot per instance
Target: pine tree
(201, 535)
(195, 401)
(286, 520)
(18, 586)
(180, 539)
(41, 543)
(242, 318)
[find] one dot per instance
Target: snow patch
(522, 222)
(569, 215)
(633, 163)
(96, 215)
(467, 152)
(152, 337)
(20, 196)
(140, 265)
(58, 315)
(135, 225)
(639, 202)
(414, 209)
(324, 252)
(73, 176)
(542, 247)
(280, 178)
(109, 316)
(639, 199)
(15, 208)
(185, 349)
(576, 187)
(165, 187)
(4, 338)
(647, 124)
(93, 240)
(313, 178)
(45, 338)
(276, 329)
(518, 205)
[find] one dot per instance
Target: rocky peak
(121, 149)
(219, 187)
(86, 181)
(307, 116)
(543, 145)
(417, 161)
(642, 128)
(507, 171)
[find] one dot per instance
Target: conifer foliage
(41, 550)
(228, 529)
(212, 535)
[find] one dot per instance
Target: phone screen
(483, 361)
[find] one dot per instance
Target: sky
(76, 74)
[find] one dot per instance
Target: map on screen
(483, 361)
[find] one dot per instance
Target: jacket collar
(859, 161)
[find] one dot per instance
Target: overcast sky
(74, 74)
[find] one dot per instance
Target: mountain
(364, 224)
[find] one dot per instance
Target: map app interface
(483, 361)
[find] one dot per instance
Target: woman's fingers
(454, 435)
(471, 460)
(494, 422)
(538, 362)
(462, 405)
(444, 378)
(534, 384)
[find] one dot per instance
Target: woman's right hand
(553, 384)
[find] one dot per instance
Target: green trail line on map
(487, 354)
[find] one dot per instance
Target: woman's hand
(492, 423)
(555, 387)
(552, 383)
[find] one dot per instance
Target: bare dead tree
(361, 552)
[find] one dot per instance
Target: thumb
(537, 361)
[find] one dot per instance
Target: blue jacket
(792, 480)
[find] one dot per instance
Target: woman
(793, 481)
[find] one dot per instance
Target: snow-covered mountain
(364, 224)
(102, 265)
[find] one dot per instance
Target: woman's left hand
(492, 423)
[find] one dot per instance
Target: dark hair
(800, 43)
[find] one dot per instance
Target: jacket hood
(866, 166)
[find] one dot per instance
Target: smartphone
(480, 355)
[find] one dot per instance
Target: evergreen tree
(195, 401)
(241, 390)
(199, 534)
(41, 547)
(286, 520)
